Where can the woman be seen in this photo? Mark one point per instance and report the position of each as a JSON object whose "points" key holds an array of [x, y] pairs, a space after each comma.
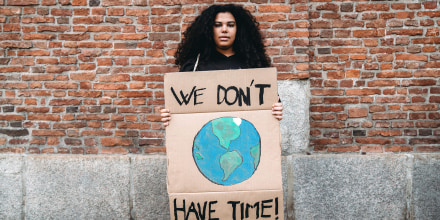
{"points": [[222, 37]]}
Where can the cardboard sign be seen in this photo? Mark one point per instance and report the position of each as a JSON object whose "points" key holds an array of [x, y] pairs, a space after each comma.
{"points": [[223, 145]]}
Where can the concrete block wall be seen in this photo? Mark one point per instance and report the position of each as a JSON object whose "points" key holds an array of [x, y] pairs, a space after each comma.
{"points": [[402, 186]]}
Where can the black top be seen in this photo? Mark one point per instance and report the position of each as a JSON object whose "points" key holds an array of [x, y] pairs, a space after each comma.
{"points": [[217, 61]]}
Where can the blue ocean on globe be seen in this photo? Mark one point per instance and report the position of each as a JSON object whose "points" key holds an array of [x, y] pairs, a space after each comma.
{"points": [[227, 150]]}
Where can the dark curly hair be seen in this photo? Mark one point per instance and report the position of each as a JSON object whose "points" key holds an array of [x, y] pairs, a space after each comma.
{"points": [[198, 38]]}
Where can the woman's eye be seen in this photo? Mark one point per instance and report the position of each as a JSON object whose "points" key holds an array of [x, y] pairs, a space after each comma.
{"points": [[231, 25], [217, 25]]}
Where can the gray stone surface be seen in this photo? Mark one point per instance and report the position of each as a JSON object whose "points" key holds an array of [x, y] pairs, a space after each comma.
{"points": [[77, 187], [150, 196], [11, 187], [388, 186], [295, 127], [349, 186], [426, 187]]}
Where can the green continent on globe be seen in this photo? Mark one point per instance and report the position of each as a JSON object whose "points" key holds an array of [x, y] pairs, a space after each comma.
{"points": [[255, 153], [229, 161], [226, 129]]}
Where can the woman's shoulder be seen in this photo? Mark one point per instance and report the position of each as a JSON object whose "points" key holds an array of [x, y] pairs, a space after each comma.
{"points": [[188, 66]]}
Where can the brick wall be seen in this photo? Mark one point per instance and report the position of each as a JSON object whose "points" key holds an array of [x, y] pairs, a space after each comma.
{"points": [[374, 76], [86, 76]]}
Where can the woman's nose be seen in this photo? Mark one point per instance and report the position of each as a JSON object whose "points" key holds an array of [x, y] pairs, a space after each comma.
{"points": [[224, 28]]}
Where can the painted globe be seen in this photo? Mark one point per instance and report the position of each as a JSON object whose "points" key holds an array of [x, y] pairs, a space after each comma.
{"points": [[227, 150]]}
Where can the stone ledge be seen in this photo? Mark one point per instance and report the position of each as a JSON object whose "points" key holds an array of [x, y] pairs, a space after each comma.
{"points": [[394, 186]]}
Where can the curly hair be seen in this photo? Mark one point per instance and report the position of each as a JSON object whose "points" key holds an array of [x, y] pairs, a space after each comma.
{"points": [[198, 38]]}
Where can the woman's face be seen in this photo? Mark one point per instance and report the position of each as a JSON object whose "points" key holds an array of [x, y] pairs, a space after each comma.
{"points": [[224, 30]]}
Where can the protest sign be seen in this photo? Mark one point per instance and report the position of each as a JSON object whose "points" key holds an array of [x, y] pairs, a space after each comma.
{"points": [[223, 145]]}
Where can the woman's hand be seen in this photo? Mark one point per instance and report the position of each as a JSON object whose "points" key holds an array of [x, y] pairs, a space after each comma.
{"points": [[166, 116], [277, 110]]}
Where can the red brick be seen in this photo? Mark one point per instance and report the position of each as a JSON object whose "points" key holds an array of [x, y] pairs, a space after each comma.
{"points": [[399, 149], [386, 133], [419, 82], [115, 150], [427, 124], [429, 107], [380, 141], [368, 33], [326, 108], [344, 149], [424, 141], [330, 92], [342, 100], [115, 2], [362, 92], [382, 83], [327, 124], [22, 2], [428, 149], [357, 112], [372, 149], [372, 7], [394, 74], [431, 14], [88, 20], [388, 116]]}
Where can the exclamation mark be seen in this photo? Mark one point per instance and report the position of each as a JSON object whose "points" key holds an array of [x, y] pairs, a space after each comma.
{"points": [[276, 208]]}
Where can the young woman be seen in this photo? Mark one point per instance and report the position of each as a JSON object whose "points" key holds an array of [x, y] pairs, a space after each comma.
{"points": [[223, 37]]}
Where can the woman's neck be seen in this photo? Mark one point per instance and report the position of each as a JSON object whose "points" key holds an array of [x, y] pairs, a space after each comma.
{"points": [[228, 52]]}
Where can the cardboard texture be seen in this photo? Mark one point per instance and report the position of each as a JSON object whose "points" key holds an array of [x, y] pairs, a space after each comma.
{"points": [[192, 92], [224, 159]]}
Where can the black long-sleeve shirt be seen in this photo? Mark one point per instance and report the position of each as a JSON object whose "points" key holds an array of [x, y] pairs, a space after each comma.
{"points": [[217, 61]]}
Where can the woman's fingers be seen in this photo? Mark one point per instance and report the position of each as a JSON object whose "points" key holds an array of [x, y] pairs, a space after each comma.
{"points": [[165, 116], [277, 110]]}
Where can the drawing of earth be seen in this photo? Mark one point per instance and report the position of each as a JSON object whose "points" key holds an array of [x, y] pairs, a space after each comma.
{"points": [[227, 150]]}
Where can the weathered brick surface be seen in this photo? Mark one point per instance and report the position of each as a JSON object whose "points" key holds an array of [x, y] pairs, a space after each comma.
{"points": [[383, 65], [86, 77]]}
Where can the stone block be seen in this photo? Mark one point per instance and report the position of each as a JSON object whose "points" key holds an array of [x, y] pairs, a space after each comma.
{"points": [[295, 127], [11, 187], [426, 187], [150, 196], [77, 187], [349, 186]]}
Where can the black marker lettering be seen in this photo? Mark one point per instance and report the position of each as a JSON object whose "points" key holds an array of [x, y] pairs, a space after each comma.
{"points": [[245, 98], [202, 212], [242, 210], [261, 87], [257, 211], [263, 206], [187, 97], [211, 203], [191, 209], [225, 97], [197, 94], [233, 203], [184, 97], [179, 209]]}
